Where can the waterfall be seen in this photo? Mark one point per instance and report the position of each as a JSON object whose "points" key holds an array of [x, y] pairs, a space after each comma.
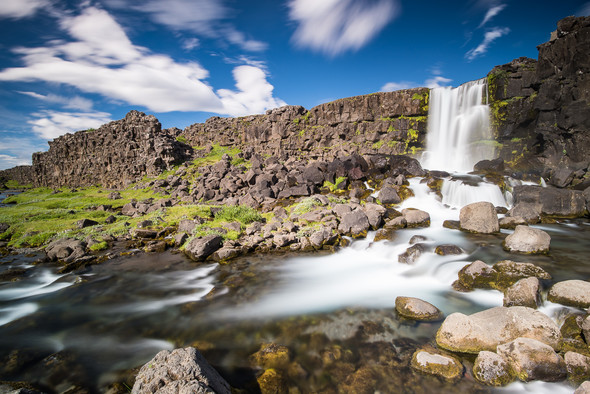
{"points": [[458, 128]]}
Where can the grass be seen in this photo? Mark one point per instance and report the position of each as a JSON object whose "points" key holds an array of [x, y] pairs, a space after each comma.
{"points": [[12, 184], [238, 213], [305, 205], [334, 186], [217, 152]]}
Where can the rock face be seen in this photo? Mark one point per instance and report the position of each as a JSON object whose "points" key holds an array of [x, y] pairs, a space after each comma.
{"points": [[574, 293], [180, 371], [487, 329], [479, 217], [533, 360], [538, 107], [115, 155], [526, 239], [548, 202], [417, 309]]}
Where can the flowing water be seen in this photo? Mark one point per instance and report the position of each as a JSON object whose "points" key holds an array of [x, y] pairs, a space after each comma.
{"points": [[334, 311]]}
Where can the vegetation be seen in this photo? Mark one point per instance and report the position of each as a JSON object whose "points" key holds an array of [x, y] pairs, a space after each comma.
{"points": [[334, 186], [182, 138], [12, 184]]}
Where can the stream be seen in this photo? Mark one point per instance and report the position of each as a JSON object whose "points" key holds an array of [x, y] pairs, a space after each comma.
{"points": [[334, 311]]}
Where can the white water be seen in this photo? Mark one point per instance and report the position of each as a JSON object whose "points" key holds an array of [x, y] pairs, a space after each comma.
{"points": [[458, 119]]}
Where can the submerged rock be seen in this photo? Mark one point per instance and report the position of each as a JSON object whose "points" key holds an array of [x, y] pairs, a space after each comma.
{"points": [[533, 360], [492, 369], [526, 239], [412, 254], [479, 217], [434, 363], [448, 249], [487, 329], [271, 355], [180, 371], [417, 309], [574, 293]]}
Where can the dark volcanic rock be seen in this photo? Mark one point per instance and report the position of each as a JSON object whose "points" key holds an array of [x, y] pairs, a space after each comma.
{"points": [[201, 248]]}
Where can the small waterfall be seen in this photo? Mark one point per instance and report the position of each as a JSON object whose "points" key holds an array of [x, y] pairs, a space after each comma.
{"points": [[458, 128]]}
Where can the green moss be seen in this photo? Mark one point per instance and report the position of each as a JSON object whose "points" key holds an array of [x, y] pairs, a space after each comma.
{"points": [[12, 184], [305, 205], [182, 138], [217, 152], [378, 144], [334, 186], [238, 213], [99, 246]]}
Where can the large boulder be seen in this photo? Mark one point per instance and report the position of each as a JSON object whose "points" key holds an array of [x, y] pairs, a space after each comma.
{"points": [[578, 366], [479, 217], [202, 247], [526, 239], [417, 309], [180, 371], [533, 360], [549, 201], [525, 292], [574, 293], [388, 195], [477, 275], [416, 217], [492, 369], [66, 249], [487, 329], [355, 223]]}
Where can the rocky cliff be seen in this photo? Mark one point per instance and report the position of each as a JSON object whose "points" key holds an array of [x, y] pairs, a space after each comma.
{"points": [[390, 123], [541, 109], [115, 155]]}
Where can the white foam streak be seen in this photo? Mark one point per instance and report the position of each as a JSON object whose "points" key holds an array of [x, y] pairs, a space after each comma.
{"points": [[45, 282], [13, 313], [457, 194]]}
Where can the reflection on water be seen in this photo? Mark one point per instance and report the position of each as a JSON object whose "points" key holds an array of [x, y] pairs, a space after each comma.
{"points": [[117, 315]]}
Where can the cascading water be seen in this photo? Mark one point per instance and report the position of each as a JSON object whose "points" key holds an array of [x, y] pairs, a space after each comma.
{"points": [[458, 128]]}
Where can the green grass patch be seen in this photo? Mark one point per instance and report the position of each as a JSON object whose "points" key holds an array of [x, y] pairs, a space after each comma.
{"points": [[305, 205], [98, 246], [182, 138], [237, 213], [12, 184], [334, 186]]}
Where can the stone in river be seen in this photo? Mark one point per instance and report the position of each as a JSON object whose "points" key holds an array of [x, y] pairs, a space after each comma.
{"points": [[417, 309], [479, 217], [526, 239], [533, 360], [435, 363], [574, 293], [492, 369]]}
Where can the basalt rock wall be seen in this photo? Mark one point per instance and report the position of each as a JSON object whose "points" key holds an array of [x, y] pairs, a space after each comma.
{"points": [[386, 122], [115, 155], [541, 108]]}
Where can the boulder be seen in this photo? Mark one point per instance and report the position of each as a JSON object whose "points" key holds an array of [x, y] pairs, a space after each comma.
{"points": [[417, 309], [526, 239], [509, 222], [578, 366], [388, 195], [435, 363], [416, 218], [492, 369], [83, 223], [477, 275], [487, 329], [495, 166], [479, 217], [375, 213], [533, 360], [586, 329], [412, 254], [180, 371], [525, 292], [584, 388], [65, 249], [448, 249], [355, 223], [202, 247], [549, 201], [509, 272], [574, 293]]}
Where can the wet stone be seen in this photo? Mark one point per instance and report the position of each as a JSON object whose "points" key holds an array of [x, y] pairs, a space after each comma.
{"points": [[417, 309], [492, 369], [447, 249], [533, 360], [529, 240], [412, 254], [574, 293], [431, 362]]}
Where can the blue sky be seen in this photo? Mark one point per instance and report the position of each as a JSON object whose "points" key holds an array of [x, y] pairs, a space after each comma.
{"points": [[72, 65]]}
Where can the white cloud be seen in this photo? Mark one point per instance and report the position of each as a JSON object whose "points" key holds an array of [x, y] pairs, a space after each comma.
{"points": [[52, 124], [584, 10], [17, 151], [20, 8], [254, 93], [489, 37], [190, 44], [205, 17], [393, 86], [336, 26], [493, 11], [76, 102], [437, 82], [102, 60]]}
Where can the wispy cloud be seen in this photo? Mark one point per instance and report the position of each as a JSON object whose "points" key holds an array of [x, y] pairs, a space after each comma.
{"points": [[17, 151], [101, 59], [209, 18], [76, 102], [337, 26], [17, 9], [489, 37], [493, 11], [51, 124], [437, 82], [393, 86]]}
